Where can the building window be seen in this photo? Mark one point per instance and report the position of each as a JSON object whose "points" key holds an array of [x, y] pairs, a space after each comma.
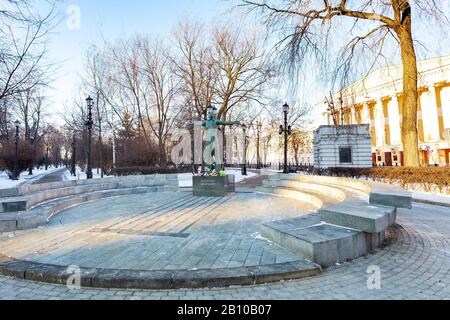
{"points": [[345, 155]]}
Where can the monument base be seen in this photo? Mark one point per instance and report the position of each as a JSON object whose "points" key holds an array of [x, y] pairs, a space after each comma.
{"points": [[213, 186]]}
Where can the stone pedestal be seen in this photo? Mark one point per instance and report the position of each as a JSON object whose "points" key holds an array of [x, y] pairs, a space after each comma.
{"points": [[213, 186]]}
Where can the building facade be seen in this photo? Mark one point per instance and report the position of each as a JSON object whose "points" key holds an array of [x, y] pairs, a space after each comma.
{"points": [[377, 100]]}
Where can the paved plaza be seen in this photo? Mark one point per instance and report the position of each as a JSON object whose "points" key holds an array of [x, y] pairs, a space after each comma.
{"points": [[415, 264], [161, 231]]}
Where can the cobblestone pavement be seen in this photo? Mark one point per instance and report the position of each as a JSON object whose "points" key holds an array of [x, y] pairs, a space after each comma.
{"points": [[415, 266]]}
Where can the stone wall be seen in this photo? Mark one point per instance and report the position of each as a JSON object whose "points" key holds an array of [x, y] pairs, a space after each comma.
{"points": [[330, 141], [129, 181]]}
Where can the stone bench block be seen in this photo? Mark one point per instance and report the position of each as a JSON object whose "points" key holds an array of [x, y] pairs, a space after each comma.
{"points": [[393, 199], [361, 217], [321, 243], [14, 204]]}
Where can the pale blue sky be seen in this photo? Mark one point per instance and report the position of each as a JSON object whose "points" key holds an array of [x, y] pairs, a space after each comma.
{"points": [[114, 19]]}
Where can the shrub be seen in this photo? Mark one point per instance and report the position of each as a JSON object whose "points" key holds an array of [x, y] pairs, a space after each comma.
{"points": [[428, 178], [130, 171], [7, 156]]}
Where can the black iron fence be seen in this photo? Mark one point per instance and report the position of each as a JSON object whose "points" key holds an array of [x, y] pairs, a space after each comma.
{"points": [[303, 167]]}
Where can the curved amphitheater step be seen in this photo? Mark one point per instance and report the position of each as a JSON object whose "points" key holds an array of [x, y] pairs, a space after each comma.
{"points": [[327, 194], [30, 206], [307, 197], [338, 232], [343, 184]]}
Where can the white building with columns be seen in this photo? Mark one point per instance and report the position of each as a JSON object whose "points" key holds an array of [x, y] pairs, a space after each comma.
{"points": [[377, 100]]}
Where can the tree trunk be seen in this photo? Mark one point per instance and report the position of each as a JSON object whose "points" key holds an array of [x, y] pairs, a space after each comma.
{"points": [[100, 142], [162, 154], [410, 95]]}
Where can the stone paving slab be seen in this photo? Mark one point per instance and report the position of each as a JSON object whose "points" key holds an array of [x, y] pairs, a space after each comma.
{"points": [[415, 265], [163, 232]]}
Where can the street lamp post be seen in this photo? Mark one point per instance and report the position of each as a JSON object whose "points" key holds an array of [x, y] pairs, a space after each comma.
{"points": [[244, 167], [16, 153], [46, 156], [30, 169], [287, 131], [258, 145], [73, 170], [89, 124]]}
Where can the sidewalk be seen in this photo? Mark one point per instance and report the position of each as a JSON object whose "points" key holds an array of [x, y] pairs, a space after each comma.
{"points": [[437, 200]]}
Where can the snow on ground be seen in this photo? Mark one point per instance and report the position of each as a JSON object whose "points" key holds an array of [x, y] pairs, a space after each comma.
{"points": [[431, 197], [81, 175], [6, 183], [185, 179]]}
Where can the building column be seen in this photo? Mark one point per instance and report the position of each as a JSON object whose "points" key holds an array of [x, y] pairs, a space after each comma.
{"points": [[387, 124], [440, 110], [372, 112], [420, 126], [379, 123], [365, 116], [430, 115], [326, 119], [354, 116], [395, 121]]}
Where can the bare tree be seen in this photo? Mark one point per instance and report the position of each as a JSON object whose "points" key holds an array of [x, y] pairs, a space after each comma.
{"points": [[160, 107], [310, 26], [30, 108], [23, 38], [97, 82], [242, 69], [195, 66], [301, 142]]}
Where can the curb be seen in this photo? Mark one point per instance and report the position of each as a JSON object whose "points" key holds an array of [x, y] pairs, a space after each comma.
{"points": [[433, 203], [159, 279]]}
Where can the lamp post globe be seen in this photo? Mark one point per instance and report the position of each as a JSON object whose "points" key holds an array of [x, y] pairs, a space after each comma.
{"points": [[286, 108]]}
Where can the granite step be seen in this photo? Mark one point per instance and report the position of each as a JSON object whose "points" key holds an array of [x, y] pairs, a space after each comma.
{"points": [[292, 194], [314, 188], [14, 204], [39, 216], [397, 199], [360, 216], [319, 242]]}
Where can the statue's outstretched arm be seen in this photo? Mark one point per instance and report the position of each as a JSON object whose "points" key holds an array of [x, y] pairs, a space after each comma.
{"points": [[197, 124], [228, 123]]}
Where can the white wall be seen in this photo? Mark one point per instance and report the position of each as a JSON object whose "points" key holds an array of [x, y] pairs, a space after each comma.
{"points": [[328, 140]]}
